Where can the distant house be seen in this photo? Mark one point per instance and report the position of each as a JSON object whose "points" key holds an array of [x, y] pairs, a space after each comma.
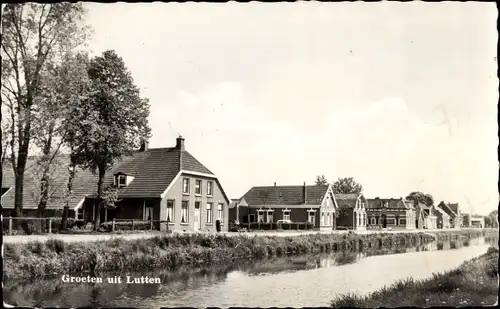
{"points": [[477, 221], [453, 212], [163, 184], [352, 211], [314, 204], [425, 217], [392, 212], [443, 219]]}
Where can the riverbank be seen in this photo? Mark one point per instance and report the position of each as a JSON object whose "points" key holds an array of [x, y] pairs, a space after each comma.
{"points": [[474, 283], [54, 257]]}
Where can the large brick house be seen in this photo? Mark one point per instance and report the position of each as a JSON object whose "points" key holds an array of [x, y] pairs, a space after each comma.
{"points": [[314, 204], [352, 211], [391, 213], [453, 212], [161, 184]]}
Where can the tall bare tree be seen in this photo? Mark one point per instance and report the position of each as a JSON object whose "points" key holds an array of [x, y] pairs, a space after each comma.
{"points": [[34, 35]]}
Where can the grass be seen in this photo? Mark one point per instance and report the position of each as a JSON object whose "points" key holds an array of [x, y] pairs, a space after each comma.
{"points": [[55, 257], [474, 283]]}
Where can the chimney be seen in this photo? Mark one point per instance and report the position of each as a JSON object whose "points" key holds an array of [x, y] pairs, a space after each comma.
{"points": [[304, 193], [180, 143], [275, 183], [144, 146]]}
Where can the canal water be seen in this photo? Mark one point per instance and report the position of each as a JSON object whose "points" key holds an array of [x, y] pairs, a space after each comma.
{"points": [[306, 281]]}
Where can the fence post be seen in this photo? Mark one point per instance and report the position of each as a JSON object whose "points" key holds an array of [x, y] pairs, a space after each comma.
{"points": [[133, 223], [151, 224], [50, 225], [113, 225], [10, 225]]}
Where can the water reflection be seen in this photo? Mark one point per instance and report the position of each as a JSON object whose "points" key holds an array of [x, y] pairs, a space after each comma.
{"points": [[231, 283]]}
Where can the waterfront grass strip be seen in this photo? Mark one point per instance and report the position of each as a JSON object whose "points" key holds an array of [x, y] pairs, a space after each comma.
{"points": [[55, 257], [474, 283]]}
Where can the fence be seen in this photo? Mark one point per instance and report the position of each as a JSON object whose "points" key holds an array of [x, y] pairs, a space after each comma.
{"points": [[277, 226], [132, 225], [36, 225]]}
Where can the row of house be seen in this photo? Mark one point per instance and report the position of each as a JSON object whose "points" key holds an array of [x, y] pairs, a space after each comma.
{"points": [[170, 186]]}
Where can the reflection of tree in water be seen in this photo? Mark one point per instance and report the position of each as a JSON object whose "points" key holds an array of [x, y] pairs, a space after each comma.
{"points": [[346, 258]]}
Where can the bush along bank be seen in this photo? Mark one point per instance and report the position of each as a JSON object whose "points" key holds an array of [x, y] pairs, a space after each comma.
{"points": [[474, 283], [55, 257], [465, 234]]}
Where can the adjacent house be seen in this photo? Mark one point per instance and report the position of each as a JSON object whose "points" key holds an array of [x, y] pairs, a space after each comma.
{"points": [[453, 212], [352, 211], [443, 219], [390, 213], [161, 184], [425, 217], [314, 204], [477, 221]]}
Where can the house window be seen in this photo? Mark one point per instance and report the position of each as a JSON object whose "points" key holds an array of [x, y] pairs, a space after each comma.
{"points": [[170, 210], [121, 180], [185, 185], [373, 221], [79, 214], [323, 218], [197, 187], [148, 211], [402, 221], [269, 216], [286, 214], [210, 188], [311, 217], [327, 219], [184, 212], [197, 205], [209, 213], [260, 216], [220, 213]]}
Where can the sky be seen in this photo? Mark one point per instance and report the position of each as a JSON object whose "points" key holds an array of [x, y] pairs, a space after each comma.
{"points": [[401, 96]]}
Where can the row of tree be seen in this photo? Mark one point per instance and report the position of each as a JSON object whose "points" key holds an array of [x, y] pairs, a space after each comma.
{"points": [[57, 99]]}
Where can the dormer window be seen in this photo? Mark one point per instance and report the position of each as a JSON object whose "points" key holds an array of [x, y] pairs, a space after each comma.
{"points": [[122, 180]]}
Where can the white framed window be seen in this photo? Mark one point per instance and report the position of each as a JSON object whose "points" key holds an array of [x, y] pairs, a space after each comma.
{"points": [[402, 221], [209, 213], [311, 215], [170, 210], [210, 188], [185, 185], [220, 212], [270, 216], [185, 212], [260, 216], [286, 214], [197, 187], [121, 180]]}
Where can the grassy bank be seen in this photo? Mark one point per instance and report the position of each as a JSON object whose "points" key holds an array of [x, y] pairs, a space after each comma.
{"points": [[467, 234], [474, 283], [55, 257]]}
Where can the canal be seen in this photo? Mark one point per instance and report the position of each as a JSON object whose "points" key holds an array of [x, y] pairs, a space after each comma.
{"points": [[306, 281]]}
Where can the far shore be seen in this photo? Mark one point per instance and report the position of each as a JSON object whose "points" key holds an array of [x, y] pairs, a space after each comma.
{"points": [[473, 284]]}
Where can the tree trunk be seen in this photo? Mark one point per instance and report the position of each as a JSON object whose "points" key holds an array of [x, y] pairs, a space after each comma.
{"points": [[44, 183], [102, 173], [71, 177]]}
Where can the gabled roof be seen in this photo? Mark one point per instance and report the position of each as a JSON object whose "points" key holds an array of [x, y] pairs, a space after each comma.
{"points": [[83, 183], [441, 211], [392, 203], [450, 209], [153, 171], [285, 195], [347, 200]]}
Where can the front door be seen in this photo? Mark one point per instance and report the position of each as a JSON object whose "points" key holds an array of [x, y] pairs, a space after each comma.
{"points": [[197, 221]]}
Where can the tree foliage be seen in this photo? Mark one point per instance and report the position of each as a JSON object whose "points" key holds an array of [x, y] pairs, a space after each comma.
{"points": [[321, 180], [346, 185], [420, 197], [34, 37], [112, 120]]}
